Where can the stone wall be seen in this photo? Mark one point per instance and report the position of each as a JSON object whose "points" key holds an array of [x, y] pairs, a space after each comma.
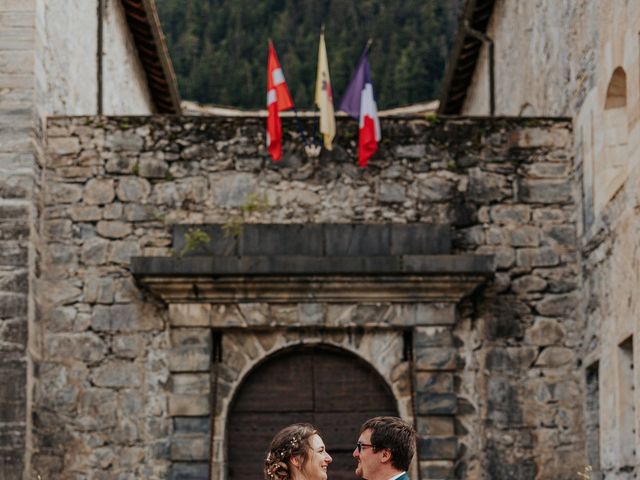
{"points": [[114, 187], [18, 173], [595, 81]]}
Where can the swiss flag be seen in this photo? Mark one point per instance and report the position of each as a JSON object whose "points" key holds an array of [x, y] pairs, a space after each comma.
{"points": [[278, 99]]}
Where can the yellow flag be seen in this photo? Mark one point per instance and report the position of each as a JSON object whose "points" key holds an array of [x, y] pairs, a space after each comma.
{"points": [[324, 97]]}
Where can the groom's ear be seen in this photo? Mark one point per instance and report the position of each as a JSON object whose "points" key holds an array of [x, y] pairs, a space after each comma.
{"points": [[386, 455]]}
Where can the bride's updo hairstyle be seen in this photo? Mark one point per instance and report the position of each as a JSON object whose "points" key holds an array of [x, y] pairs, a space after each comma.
{"points": [[289, 442]]}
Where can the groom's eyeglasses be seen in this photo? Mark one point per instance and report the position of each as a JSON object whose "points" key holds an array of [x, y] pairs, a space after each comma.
{"points": [[360, 446]]}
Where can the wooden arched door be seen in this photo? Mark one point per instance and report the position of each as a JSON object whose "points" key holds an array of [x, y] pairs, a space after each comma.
{"points": [[330, 388]]}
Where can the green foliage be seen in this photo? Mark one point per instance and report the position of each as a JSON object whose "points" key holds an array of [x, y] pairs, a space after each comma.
{"points": [[253, 203], [219, 47], [194, 239]]}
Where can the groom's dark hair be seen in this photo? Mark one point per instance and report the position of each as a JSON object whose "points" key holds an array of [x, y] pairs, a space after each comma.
{"points": [[396, 435]]}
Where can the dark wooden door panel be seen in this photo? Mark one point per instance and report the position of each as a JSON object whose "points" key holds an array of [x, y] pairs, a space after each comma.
{"points": [[332, 389], [342, 384], [278, 385]]}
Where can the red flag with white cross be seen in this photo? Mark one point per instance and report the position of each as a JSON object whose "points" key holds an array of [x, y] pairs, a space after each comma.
{"points": [[278, 100]]}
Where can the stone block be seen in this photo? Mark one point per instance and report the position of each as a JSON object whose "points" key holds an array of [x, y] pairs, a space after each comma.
{"points": [[437, 448], [189, 425], [123, 141], [13, 333], [113, 211], [555, 357], [133, 189], [191, 383], [190, 314], [128, 346], [311, 313], [504, 257], [13, 305], [63, 145], [436, 403], [98, 289], [125, 318], [153, 168], [511, 359], [435, 358], [410, 151], [436, 314], [95, 251], [511, 214], [87, 347], [191, 448], [420, 239], [58, 193], [544, 191], [231, 189], [190, 350], [434, 382], [426, 337], [436, 189], [435, 426], [14, 280], [117, 373], [363, 239], [528, 284], [537, 257], [391, 192], [226, 316], [544, 332], [532, 137], [99, 191], [189, 405], [113, 229], [563, 305], [564, 235], [122, 251], [189, 471], [302, 239], [487, 187], [13, 391], [525, 236], [85, 213], [436, 469]]}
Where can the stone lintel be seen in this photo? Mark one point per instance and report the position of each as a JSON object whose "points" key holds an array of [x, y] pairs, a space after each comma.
{"points": [[342, 239], [417, 278]]}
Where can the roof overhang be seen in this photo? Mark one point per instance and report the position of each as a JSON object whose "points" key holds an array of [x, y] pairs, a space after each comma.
{"points": [[464, 56], [144, 24]]}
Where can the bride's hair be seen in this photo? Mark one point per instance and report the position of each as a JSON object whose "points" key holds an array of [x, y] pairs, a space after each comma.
{"points": [[289, 442]]}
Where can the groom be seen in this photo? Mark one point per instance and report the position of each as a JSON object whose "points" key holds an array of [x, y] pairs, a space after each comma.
{"points": [[384, 449]]}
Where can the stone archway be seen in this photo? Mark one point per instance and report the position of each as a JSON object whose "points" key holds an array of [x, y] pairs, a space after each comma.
{"points": [[331, 388]]}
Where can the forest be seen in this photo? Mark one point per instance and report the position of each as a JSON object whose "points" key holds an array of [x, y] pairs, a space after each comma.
{"points": [[219, 47]]}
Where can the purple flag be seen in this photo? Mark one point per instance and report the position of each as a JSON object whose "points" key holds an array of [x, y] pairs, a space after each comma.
{"points": [[350, 102]]}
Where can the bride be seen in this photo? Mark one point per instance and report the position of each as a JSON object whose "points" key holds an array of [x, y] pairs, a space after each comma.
{"points": [[297, 453]]}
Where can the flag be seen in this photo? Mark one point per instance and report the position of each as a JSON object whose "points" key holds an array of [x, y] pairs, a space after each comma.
{"points": [[278, 99], [358, 102], [324, 97]]}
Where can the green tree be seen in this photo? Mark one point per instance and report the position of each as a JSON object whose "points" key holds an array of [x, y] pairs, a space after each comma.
{"points": [[219, 47]]}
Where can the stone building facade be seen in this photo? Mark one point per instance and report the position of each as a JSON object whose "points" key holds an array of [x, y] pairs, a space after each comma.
{"points": [[138, 354], [581, 60], [57, 57]]}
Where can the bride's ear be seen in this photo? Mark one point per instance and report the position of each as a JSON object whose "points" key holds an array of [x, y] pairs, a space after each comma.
{"points": [[296, 461]]}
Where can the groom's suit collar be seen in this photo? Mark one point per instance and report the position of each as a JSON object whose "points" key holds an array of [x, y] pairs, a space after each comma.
{"points": [[400, 476]]}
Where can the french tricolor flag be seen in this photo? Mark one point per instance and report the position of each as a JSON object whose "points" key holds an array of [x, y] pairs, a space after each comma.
{"points": [[359, 102]]}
